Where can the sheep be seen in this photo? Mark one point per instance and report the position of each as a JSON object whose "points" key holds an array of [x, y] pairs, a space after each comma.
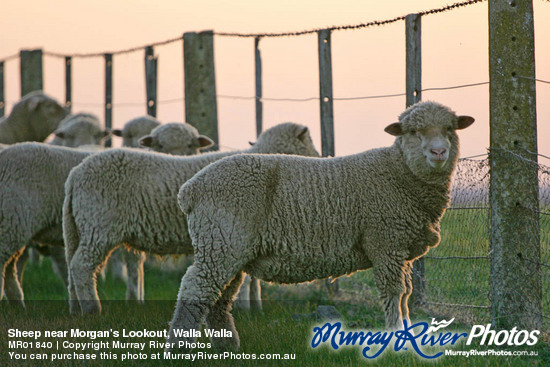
{"points": [[33, 118], [30, 204], [128, 197], [79, 129], [76, 130], [32, 177], [168, 137], [295, 219], [172, 138], [135, 129]]}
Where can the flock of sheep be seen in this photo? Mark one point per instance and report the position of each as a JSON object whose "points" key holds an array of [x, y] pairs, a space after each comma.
{"points": [[275, 211]]}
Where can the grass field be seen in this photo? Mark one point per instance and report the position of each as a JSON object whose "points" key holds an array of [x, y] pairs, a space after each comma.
{"points": [[273, 331]]}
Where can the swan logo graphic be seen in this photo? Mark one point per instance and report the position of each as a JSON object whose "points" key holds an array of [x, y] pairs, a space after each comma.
{"points": [[439, 325]]}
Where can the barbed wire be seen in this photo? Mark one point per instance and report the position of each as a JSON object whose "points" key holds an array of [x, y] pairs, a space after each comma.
{"points": [[119, 52], [263, 35], [374, 23]]}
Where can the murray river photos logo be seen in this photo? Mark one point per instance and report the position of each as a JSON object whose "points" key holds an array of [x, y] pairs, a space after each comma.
{"points": [[417, 337]]}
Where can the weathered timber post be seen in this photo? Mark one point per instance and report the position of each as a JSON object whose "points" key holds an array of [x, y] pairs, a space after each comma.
{"points": [[201, 109], [2, 97], [327, 114], [516, 285], [151, 80], [258, 75], [68, 83], [325, 93], [31, 71], [413, 38], [108, 94]]}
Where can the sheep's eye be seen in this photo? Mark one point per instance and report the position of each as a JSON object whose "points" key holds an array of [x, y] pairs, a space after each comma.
{"points": [[413, 132]]}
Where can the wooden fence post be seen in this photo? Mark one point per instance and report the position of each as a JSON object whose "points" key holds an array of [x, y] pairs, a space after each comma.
{"points": [[414, 94], [31, 71], [516, 284], [327, 114], [108, 94], [325, 93], [2, 97], [151, 80], [258, 74], [201, 109], [68, 84]]}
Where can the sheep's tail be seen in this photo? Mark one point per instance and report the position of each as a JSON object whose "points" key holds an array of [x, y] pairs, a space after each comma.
{"points": [[186, 197]]}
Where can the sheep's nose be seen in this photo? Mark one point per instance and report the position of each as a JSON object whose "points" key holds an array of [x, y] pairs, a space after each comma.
{"points": [[438, 152]]}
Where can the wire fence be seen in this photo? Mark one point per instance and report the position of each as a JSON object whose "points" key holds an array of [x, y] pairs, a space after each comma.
{"points": [[374, 23], [458, 271]]}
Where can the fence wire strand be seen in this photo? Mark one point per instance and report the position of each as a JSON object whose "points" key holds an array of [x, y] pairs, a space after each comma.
{"points": [[263, 35]]}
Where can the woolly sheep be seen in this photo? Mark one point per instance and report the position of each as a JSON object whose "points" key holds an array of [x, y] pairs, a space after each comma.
{"points": [[76, 130], [135, 129], [168, 137], [172, 138], [32, 177], [79, 129], [137, 205], [33, 118], [294, 219]]}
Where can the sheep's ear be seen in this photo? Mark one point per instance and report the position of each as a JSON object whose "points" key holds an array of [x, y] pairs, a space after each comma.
{"points": [[116, 132], [302, 133], [464, 121], [34, 102], [394, 129], [205, 142], [251, 143], [106, 133], [146, 141], [60, 134]]}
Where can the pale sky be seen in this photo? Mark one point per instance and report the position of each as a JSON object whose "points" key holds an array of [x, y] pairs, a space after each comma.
{"points": [[366, 62]]}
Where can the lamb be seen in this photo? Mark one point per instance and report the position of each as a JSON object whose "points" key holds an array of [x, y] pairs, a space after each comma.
{"points": [[167, 138], [172, 138], [79, 129], [128, 197], [33, 118], [294, 219], [30, 205], [135, 129]]}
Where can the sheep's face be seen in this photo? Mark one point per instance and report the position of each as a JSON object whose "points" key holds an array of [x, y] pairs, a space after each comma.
{"points": [[435, 143], [80, 133], [427, 136], [286, 138], [45, 108], [176, 139], [134, 130]]}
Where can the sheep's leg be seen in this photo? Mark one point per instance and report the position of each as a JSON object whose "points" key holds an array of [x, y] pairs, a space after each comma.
{"points": [[220, 318], [59, 263], [200, 289], [21, 264], [389, 277], [83, 269], [135, 282], [13, 290], [255, 294], [243, 297], [118, 265], [408, 292]]}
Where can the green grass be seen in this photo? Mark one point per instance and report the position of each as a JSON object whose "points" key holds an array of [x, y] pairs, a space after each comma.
{"points": [[456, 281], [273, 331]]}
